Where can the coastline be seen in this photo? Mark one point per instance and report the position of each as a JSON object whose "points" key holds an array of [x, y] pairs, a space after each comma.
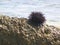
{"points": [[55, 24]]}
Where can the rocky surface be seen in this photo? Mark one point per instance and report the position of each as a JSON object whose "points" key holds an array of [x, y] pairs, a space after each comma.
{"points": [[16, 31]]}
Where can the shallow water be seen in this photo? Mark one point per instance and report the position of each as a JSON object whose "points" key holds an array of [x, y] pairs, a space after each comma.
{"points": [[22, 8]]}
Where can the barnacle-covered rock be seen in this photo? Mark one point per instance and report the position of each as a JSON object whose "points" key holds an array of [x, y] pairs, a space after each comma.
{"points": [[17, 31]]}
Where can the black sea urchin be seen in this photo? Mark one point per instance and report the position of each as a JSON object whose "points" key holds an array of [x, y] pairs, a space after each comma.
{"points": [[36, 18]]}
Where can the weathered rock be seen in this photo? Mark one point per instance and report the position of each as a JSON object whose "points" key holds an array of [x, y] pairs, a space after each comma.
{"points": [[17, 31]]}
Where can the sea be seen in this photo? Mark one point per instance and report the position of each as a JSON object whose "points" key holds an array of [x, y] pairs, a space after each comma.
{"points": [[23, 8]]}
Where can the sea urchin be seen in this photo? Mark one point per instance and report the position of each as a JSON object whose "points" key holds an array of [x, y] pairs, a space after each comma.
{"points": [[36, 18]]}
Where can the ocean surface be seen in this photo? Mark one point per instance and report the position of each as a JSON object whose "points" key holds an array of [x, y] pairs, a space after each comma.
{"points": [[22, 8]]}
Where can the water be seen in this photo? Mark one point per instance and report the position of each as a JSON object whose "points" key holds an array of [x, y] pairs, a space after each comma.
{"points": [[22, 8]]}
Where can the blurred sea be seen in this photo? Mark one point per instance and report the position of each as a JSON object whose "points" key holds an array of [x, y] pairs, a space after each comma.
{"points": [[22, 8]]}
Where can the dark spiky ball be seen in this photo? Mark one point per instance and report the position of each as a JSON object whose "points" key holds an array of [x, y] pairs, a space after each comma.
{"points": [[36, 18]]}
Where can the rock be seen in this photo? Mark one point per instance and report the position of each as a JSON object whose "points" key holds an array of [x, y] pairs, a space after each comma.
{"points": [[17, 31]]}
